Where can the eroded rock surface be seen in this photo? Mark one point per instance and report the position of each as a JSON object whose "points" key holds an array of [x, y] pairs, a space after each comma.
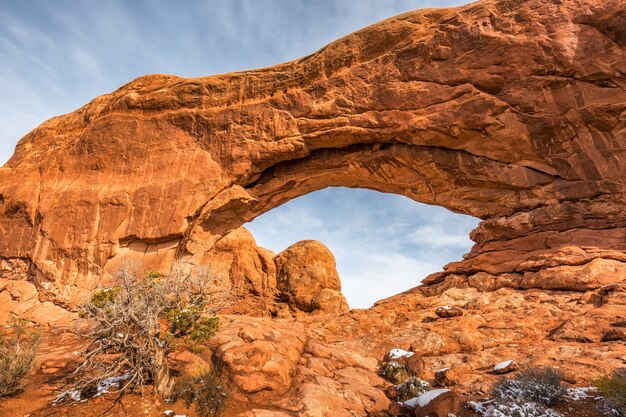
{"points": [[306, 274], [511, 111], [301, 279], [328, 365], [337, 373]]}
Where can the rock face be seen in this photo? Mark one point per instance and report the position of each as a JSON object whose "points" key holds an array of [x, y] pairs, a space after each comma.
{"points": [[331, 364], [508, 110], [261, 355], [302, 278], [307, 275], [328, 365]]}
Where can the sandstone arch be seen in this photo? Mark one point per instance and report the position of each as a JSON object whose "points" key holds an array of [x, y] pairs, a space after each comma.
{"points": [[511, 111]]}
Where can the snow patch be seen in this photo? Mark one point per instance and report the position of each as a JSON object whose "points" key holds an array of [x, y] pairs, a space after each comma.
{"points": [[399, 353], [492, 408], [425, 398], [102, 388], [580, 393], [502, 365]]}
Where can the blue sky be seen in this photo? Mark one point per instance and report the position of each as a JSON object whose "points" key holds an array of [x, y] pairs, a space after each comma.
{"points": [[57, 55]]}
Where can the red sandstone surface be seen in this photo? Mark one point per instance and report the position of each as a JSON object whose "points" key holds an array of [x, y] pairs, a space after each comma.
{"points": [[511, 111]]}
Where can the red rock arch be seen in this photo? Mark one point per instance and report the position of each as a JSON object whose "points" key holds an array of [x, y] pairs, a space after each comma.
{"points": [[509, 111]]}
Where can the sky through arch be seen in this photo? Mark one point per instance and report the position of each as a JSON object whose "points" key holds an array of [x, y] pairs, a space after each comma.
{"points": [[383, 243]]}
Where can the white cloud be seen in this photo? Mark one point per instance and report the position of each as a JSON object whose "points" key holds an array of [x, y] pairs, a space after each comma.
{"points": [[436, 235]]}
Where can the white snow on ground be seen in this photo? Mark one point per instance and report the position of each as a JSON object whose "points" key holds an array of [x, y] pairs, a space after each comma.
{"points": [[491, 408], [480, 406], [425, 398], [502, 365], [103, 388], [411, 403], [399, 353], [428, 396], [506, 408], [580, 393], [170, 413]]}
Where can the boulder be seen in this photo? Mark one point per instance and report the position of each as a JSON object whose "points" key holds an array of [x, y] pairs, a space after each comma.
{"points": [[413, 363], [251, 268], [306, 273], [448, 311], [259, 354], [505, 367], [436, 403], [329, 301], [445, 377]]}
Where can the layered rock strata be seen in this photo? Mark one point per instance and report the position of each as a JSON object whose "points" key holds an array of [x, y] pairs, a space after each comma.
{"points": [[508, 110]]}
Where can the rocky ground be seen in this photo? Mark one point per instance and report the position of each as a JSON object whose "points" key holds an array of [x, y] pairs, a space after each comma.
{"points": [[328, 364]]}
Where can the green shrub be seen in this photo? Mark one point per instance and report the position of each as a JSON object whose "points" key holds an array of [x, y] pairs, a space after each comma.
{"points": [[411, 388], [17, 357], [183, 319], [613, 388], [190, 322], [167, 339], [126, 325], [204, 328], [104, 297], [394, 372]]}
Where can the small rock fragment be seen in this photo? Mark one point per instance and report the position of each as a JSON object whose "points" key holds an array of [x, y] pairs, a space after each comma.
{"points": [[614, 335], [445, 377], [448, 311], [505, 367]]}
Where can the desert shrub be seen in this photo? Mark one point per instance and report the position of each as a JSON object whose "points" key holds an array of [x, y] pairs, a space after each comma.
{"points": [[137, 322], [509, 408], [204, 328], [206, 390], [17, 356], [613, 389], [394, 372], [540, 385], [152, 275], [190, 322], [104, 297], [411, 388]]}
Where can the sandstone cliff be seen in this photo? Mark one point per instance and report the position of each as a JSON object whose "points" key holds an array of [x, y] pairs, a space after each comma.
{"points": [[511, 111], [508, 110]]}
